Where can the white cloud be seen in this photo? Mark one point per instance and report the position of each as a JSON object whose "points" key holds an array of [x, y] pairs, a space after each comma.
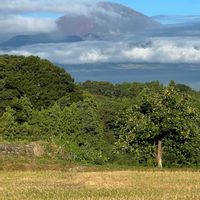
{"points": [[15, 24], [12, 6], [93, 56], [166, 50], [160, 50]]}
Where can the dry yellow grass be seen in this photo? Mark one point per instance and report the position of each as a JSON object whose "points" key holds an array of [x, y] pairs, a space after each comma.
{"points": [[119, 185]]}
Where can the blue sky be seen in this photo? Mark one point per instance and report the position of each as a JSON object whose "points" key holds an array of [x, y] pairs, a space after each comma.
{"points": [[164, 7]]}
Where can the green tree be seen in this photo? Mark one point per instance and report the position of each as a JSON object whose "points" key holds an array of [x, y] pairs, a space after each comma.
{"points": [[167, 114], [22, 108], [8, 124], [39, 80], [135, 133]]}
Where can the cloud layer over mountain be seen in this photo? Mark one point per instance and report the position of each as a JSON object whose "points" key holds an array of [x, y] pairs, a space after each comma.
{"points": [[14, 19], [107, 19], [80, 17]]}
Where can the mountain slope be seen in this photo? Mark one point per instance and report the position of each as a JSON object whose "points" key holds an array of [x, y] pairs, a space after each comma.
{"points": [[106, 18]]}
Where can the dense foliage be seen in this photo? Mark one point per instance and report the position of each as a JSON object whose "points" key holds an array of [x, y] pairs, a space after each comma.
{"points": [[159, 116], [39, 80], [98, 122]]}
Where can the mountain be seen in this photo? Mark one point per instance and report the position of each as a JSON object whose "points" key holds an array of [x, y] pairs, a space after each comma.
{"points": [[22, 40], [103, 21], [177, 26], [191, 29], [176, 19], [106, 19]]}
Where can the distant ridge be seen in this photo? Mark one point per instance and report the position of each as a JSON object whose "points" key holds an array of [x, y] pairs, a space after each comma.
{"points": [[21, 40]]}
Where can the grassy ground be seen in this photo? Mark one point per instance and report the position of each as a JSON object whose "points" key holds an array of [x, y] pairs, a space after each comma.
{"points": [[107, 185]]}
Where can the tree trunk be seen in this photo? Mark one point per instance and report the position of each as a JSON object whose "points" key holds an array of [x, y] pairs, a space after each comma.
{"points": [[159, 154]]}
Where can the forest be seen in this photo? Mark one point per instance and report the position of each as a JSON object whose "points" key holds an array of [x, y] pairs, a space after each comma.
{"points": [[137, 124]]}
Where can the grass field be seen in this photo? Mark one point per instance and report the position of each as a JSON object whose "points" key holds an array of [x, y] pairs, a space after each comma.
{"points": [[123, 185]]}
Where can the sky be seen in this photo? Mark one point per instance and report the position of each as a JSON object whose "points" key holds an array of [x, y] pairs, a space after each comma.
{"points": [[164, 7]]}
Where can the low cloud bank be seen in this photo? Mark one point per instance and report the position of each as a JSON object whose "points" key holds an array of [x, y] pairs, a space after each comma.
{"points": [[152, 50]]}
